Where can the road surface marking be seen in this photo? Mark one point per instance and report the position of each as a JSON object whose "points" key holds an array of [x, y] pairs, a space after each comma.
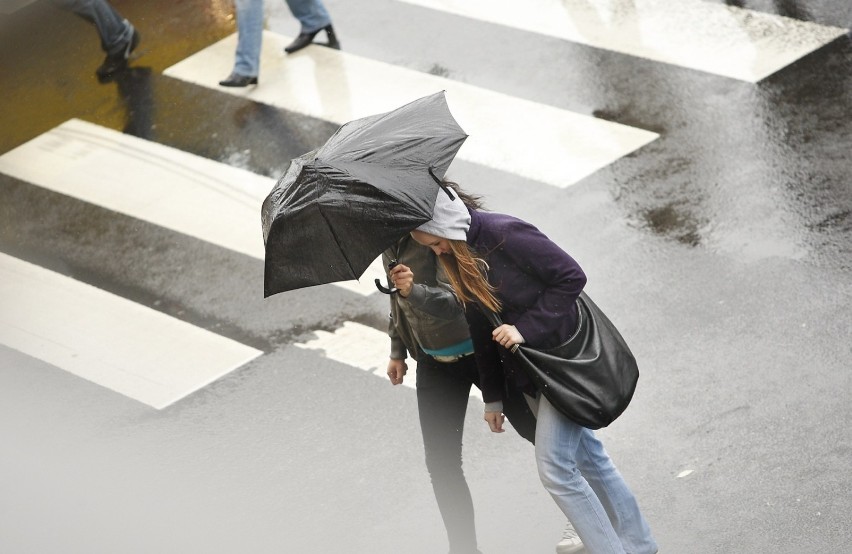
{"points": [[723, 40], [109, 340], [183, 192], [363, 347], [525, 138]]}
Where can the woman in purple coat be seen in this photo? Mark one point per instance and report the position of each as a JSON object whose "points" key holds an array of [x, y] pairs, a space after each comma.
{"points": [[500, 263]]}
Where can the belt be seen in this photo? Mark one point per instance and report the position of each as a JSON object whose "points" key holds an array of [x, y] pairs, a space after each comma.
{"points": [[451, 359]]}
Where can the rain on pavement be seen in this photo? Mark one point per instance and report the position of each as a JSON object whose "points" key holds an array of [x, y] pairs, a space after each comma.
{"points": [[717, 233]]}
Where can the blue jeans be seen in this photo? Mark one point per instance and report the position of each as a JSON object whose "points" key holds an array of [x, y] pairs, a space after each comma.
{"points": [[311, 14], [579, 475], [115, 31]]}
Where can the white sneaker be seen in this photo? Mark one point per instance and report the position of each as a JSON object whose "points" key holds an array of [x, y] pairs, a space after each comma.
{"points": [[570, 543]]}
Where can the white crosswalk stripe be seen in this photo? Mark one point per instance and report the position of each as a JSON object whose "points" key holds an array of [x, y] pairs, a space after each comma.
{"points": [[101, 337], [723, 40], [363, 347], [533, 140], [189, 194]]}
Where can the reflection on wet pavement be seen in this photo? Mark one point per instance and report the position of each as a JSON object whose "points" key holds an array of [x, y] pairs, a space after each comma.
{"points": [[751, 170]]}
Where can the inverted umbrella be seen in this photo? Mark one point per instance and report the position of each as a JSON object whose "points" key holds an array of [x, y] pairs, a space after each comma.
{"points": [[336, 209]]}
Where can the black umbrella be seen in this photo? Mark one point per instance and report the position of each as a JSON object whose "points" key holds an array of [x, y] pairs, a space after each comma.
{"points": [[336, 209]]}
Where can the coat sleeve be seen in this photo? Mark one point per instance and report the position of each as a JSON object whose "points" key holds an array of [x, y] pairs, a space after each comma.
{"points": [[398, 350], [560, 277], [491, 376], [439, 300]]}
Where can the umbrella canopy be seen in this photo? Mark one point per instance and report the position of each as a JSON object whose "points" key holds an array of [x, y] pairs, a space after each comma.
{"points": [[336, 209]]}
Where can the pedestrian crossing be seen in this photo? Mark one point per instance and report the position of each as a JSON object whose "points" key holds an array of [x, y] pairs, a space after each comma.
{"points": [[157, 359], [115, 343], [554, 146], [714, 38], [106, 339], [188, 194], [362, 347]]}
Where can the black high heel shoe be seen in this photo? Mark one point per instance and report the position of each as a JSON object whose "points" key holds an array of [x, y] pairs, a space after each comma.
{"points": [[235, 80], [305, 39]]}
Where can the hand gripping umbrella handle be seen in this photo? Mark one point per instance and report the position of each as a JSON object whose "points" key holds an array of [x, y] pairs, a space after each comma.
{"points": [[393, 263]]}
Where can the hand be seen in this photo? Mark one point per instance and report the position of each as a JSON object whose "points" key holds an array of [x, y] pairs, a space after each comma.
{"points": [[495, 421], [507, 336], [402, 278], [396, 371]]}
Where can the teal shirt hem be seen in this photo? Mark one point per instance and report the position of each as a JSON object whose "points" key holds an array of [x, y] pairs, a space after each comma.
{"points": [[464, 347]]}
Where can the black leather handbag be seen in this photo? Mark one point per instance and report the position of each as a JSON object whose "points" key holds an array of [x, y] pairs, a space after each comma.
{"points": [[591, 377]]}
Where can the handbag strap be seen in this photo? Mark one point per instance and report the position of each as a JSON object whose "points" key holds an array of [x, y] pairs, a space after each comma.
{"points": [[492, 316], [495, 320]]}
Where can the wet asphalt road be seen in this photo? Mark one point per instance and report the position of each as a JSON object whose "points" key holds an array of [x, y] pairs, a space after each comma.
{"points": [[723, 250]]}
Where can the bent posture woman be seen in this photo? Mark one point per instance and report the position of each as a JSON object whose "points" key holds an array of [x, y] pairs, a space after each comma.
{"points": [[500, 263], [426, 320]]}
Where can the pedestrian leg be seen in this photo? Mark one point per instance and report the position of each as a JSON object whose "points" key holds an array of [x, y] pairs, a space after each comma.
{"points": [[442, 397], [311, 14], [249, 37], [557, 442], [615, 496], [114, 31]]}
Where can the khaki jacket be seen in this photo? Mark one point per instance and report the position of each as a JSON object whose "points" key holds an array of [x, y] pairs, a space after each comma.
{"points": [[431, 317]]}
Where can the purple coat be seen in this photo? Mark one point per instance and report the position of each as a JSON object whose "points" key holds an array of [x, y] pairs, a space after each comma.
{"points": [[537, 283]]}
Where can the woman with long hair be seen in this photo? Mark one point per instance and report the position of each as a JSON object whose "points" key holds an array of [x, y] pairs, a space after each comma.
{"points": [[427, 322], [500, 263]]}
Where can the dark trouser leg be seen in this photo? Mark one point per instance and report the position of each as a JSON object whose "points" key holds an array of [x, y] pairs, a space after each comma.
{"points": [[114, 30], [311, 14], [442, 396]]}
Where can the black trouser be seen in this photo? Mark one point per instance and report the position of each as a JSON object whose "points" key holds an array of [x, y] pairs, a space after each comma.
{"points": [[112, 27], [442, 395]]}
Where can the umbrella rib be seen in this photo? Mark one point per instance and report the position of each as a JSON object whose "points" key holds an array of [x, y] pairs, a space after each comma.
{"points": [[337, 240]]}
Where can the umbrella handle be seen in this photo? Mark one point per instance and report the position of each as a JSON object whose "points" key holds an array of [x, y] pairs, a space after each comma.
{"points": [[441, 184], [384, 289]]}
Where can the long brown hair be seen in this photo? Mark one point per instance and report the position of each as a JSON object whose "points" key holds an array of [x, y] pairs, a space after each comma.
{"points": [[472, 201], [465, 269], [466, 272]]}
